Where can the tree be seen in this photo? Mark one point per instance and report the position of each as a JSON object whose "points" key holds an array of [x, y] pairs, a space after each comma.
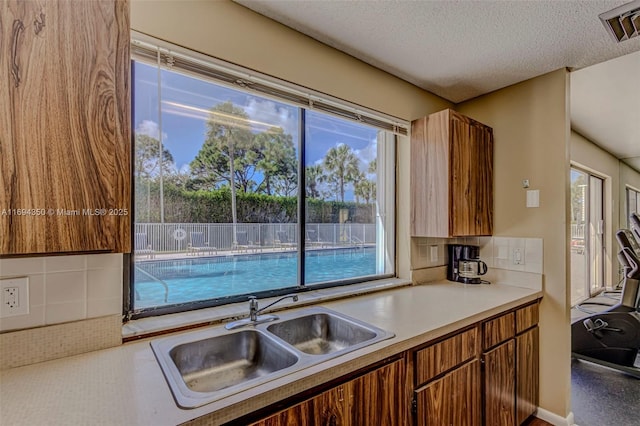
{"points": [[365, 189], [373, 166], [278, 163], [315, 177], [147, 157], [228, 153], [148, 166], [342, 166]]}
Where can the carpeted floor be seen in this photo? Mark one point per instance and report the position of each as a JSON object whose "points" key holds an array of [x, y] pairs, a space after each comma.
{"points": [[601, 396]]}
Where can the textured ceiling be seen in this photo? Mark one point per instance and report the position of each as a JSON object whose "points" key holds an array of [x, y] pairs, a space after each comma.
{"points": [[463, 49], [458, 49]]}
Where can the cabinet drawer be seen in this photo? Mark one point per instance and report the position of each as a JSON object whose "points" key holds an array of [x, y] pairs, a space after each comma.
{"points": [[526, 317], [498, 330], [445, 355]]}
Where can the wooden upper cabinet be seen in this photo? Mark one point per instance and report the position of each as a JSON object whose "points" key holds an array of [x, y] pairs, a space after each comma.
{"points": [[451, 176], [65, 142]]}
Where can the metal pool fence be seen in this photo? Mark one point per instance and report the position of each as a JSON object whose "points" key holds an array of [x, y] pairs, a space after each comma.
{"points": [[176, 237]]}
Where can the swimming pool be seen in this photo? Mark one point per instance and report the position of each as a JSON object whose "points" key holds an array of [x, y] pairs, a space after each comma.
{"points": [[195, 279]]}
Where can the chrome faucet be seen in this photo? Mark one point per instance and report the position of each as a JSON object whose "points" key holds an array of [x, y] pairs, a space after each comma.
{"points": [[254, 313]]}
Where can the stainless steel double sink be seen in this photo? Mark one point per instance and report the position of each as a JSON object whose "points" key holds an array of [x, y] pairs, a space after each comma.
{"points": [[208, 365]]}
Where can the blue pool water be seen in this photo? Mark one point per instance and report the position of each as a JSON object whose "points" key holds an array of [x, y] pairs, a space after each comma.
{"points": [[213, 277]]}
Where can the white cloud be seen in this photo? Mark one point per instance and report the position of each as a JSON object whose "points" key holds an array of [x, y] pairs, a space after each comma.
{"points": [[367, 154], [273, 115], [151, 129]]}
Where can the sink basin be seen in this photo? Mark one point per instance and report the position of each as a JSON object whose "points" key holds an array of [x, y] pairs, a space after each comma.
{"points": [[219, 362], [207, 365], [321, 333], [202, 369]]}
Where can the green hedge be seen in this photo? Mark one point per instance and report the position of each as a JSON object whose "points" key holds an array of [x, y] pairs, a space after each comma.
{"points": [[184, 206]]}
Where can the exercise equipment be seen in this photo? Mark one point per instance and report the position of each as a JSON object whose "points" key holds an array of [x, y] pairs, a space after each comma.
{"points": [[612, 337]]}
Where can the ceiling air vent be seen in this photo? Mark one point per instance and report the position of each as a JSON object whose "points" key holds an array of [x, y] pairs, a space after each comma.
{"points": [[623, 22]]}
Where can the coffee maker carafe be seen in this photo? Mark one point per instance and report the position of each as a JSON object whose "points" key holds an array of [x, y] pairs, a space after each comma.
{"points": [[465, 265]]}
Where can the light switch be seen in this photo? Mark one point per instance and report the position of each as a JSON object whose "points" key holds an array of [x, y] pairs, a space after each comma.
{"points": [[533, 198]]}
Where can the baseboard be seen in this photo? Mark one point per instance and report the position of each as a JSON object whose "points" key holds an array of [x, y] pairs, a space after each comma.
{"points": [[553, 418]]}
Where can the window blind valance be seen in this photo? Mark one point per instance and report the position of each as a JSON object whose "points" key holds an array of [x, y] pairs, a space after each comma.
{"points": [[151, 51]]}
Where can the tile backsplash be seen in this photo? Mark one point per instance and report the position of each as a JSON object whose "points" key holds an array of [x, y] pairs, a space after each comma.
{"points": [[66, 288], [497, 252]]}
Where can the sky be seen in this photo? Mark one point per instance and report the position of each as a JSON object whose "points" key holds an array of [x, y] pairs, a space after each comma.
{"points": [[185, 102]]}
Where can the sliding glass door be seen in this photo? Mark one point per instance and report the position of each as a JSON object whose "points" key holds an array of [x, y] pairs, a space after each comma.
{"points": [[587, 235]]}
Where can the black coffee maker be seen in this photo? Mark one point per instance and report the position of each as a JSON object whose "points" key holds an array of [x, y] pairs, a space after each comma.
{"points": [[465, 265]]}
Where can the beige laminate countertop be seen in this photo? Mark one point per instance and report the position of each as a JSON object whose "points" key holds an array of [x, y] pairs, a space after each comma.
{"points": [[125, 386]]}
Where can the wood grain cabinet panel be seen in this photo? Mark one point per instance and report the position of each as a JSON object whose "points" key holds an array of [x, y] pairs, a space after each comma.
{"points": [[453, 399], [377, 395], [330, 408], [445, 355], [451, 176], [499, 385], [526, 317], [498, 330], [380, 396], [64, 126], [528, 371]]}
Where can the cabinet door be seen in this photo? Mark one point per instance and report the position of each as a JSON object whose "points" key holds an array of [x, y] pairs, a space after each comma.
{"points": [[471, 196], [378, 397], [330, 408], [527, 370], [452, 400], [499, 385], [64, 126]]}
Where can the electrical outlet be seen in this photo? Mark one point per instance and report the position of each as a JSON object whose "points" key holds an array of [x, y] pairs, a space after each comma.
{"points": [[15, 297], [518, 256], [11, 297]]}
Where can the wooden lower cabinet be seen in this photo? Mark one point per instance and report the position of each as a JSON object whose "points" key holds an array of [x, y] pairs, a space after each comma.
{"points": [[527, 368], [376, 396], [500, 385], [453, 399], [329, 408], [484, 374], [380, 397]]}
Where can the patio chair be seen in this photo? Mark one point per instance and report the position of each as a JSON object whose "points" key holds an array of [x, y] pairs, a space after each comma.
{"points": [[199, 245], [314, 240], [141, 247], [283, 240], [243, 243]]}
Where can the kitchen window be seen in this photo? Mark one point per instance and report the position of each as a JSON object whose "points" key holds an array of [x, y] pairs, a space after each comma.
{"points": [[247, 186]]}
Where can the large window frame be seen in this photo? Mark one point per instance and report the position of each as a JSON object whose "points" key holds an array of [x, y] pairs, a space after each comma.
{"points": [[167, 55]]}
